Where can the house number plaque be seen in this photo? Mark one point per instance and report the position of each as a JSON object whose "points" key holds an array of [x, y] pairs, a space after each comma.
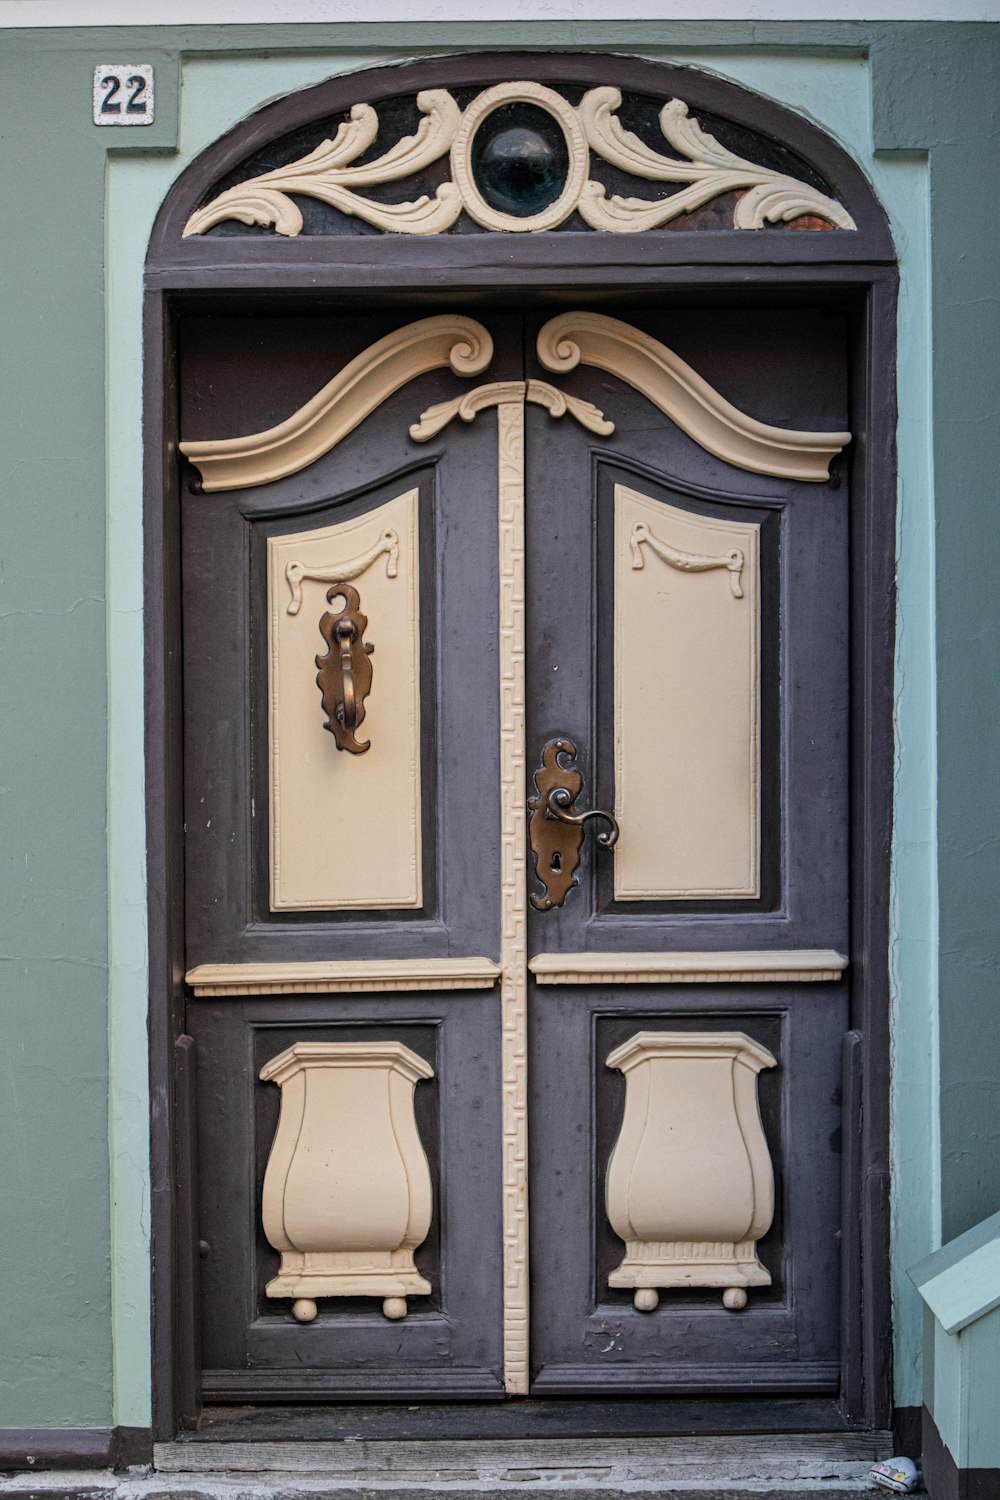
{"points": [[123, 94]]}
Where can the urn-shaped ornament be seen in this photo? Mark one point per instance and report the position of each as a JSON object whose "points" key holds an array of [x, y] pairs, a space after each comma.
{"points": [[347, 1190], [690, 1187]]}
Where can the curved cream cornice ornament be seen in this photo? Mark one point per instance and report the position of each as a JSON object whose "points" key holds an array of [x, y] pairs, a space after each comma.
{"points": [[564, 342], [361, 386], [682, 394], [703, 169]]}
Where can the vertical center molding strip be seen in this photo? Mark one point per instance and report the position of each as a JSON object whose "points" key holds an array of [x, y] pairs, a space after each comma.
{"points": [[509, 397], [513, 895]]}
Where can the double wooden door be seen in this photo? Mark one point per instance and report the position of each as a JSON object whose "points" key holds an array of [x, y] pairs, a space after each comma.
{"points": [[493, 1096]]}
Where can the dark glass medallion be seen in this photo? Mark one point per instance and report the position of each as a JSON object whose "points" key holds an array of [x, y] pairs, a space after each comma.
{"points": [[520, 159]]}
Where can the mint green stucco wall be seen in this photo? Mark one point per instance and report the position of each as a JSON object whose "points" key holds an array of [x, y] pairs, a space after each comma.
{"points": [[914, 104]]}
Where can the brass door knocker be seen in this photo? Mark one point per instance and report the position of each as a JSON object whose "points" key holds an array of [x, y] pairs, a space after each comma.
{"points": [[344, 677], [555, 830]]}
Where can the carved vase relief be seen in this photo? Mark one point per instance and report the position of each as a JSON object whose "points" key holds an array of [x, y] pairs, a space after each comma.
{"points": [[687, 737], [347, 1191], [690, 1187], [360, 861]]}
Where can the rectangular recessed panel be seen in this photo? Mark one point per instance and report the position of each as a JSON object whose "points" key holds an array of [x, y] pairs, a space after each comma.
{"points": [[345, 828], [687, 703]]}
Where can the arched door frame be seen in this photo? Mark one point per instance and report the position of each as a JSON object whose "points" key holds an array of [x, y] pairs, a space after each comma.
{"points": [[854, 271]]}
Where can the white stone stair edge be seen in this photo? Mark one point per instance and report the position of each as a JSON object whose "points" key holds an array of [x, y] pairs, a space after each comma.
{"points": [[88, 1485]]}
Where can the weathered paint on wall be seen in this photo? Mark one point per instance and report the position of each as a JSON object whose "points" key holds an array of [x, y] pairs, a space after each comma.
{"points": [[55, 1342]]}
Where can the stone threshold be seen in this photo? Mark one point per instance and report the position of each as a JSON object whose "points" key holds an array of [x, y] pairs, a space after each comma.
{"points": [[833, 1465], [90, 1486]]}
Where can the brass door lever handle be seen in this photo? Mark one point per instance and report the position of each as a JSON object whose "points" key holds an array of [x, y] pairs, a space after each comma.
{"points": [[558, 805], [555, 830]]}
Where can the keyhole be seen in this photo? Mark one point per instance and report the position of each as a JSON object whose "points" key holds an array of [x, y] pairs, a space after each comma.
{"points": [[556, 861]]}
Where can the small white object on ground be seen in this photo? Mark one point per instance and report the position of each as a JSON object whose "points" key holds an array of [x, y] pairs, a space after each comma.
{"points": [[897, 1474]]}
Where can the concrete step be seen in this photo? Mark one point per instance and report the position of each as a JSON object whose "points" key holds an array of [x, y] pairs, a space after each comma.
{"points": [[253, 1487], [832, 1465]]}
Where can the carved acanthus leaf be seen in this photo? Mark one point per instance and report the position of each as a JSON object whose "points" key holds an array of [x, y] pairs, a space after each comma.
{"points": [[326, 174], [707, 167], [558, 403], [467, 406]]}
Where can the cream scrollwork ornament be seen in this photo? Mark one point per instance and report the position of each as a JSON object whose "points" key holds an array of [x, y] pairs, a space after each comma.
{"points": [[539, 392], [295, 572], [686, 562], [327, 174], [701, 170], [705, 167]]}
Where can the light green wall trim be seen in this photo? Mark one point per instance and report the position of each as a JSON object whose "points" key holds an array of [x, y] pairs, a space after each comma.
{"points": [[948, 1398], [982, 1428], [960, 1288], [960, 1283], [127, 930], [913, 933], [961, 1393]]}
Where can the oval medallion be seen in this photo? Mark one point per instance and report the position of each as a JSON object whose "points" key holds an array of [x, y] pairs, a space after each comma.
{"points": [[520, 158]]}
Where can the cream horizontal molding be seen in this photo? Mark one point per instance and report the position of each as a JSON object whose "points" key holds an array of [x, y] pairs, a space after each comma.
{"points": [[353, 394], [365, 976], [799, 965], [656, 372]]}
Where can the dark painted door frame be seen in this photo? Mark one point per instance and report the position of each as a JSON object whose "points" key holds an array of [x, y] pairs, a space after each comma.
{"points": [[856, 274]]}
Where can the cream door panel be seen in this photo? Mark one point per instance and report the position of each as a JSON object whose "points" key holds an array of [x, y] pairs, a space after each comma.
{"points": [[345, 829], [687, 703]]}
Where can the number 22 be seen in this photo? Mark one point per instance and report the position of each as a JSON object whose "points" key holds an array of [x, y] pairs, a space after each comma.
{"points": [[111, 104]]}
